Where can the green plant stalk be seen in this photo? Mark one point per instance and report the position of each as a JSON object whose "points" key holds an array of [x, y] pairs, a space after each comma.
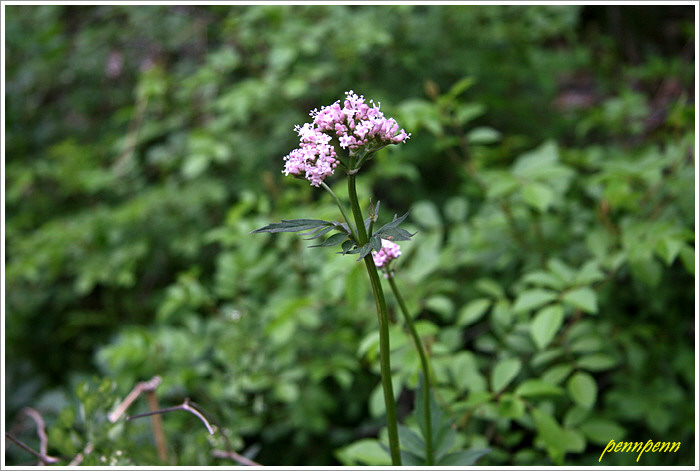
{"points": [[384, 349], [426, 371]]}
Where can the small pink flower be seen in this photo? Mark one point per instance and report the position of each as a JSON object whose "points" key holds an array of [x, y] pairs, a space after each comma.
{"points": [[387, 253]]}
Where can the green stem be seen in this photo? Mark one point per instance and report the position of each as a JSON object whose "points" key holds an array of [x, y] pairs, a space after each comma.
{"points": [[384, 348], [342, 211], [426, 371]]}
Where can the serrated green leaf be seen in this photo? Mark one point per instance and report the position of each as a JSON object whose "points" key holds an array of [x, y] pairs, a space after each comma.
{"points": [[582, 389], [444, 442], [394, 234], [546, 324], [316, 233], [583, 298], [394, 223], [473, 311], [504, 372], [410, 440], [335, 239], [462, 458], [532, 299], [347, 246], [292, 225]]}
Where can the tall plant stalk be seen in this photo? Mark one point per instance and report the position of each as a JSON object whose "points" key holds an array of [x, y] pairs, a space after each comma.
{"points": [[425, 365], [383, 317]]}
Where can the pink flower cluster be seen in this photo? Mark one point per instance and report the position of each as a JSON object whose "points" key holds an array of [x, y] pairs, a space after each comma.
{"points": [[355, 125], [388, 252], [315, 158]]}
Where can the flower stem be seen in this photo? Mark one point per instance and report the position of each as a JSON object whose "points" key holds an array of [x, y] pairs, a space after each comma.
{"points": [[384, 349], [342, 211], [426, 371]]}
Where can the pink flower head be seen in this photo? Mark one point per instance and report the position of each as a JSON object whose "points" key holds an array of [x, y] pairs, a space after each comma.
{"points": [[387, 253], [355, 124]]}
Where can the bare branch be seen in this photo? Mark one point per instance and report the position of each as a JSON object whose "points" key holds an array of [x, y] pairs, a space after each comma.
{"points": [[143, 386], [40, 429], [234, 456], [43, 458], [184, 406], [80, 456]]}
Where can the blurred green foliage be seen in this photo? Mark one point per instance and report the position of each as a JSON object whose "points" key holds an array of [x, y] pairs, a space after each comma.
{"points": [[550, 175]]}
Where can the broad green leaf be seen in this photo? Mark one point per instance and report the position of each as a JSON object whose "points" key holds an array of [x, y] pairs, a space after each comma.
{"points": [[504, 372], [668, 248], [551, 434], [546, 324], [537, 387], [538, 196], [557, 373], [544, 278], [364, 452], [462, 458], [473, 311], [483, 135], [490, 287], [456, 209], [441, 305], [426, 214], [469, 111], [687, 255], [510, 406], [582, 389], [561, 269], [596, 362], [601, 431], [589, 273], [532, 299], [583, 298], [575, 441]]}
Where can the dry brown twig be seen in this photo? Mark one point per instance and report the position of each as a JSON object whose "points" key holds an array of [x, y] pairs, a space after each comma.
{"points": [[148, 387], [43, 458], [234, 456], [143, 386], [184, 406]]}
